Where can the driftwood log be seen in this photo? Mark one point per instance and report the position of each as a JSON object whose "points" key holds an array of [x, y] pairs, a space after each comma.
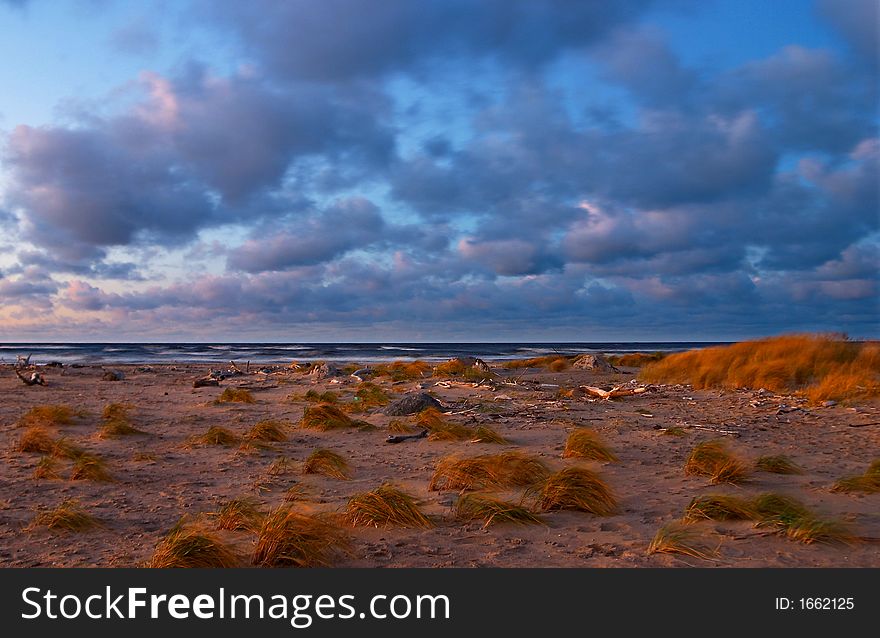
{"points": [[399, 438], [613, 393], [35, 379]]}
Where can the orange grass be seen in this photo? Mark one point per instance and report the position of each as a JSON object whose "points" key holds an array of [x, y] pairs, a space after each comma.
{"points": [[386, 506], [404, 370], [559, 361], [235, 395], [290, 539], [327, 463], [190, 546], [820, 367], [578, 489], [48, 415], [586, 444], [508, 469], [713, 459]]}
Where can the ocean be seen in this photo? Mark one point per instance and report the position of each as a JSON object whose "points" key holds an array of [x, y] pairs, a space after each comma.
{"points": [[146, 353]]}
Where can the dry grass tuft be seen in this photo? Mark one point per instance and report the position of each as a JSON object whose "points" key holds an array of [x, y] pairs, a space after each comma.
{"points": [[485, 434], [291, 539], [719, 507], [400, 427], [790, 517], [235, 395], [36, 439], [586, 444], [459, 368], [240, 514], [47, 468], [322, 397], [116, 422], [192, 546], [88, 467], [217, 435], [442, 430], [508, 469], [369, 395], [493, 511], [269, 431], [553, 362], [778, 464], [713, 459], [675, 538], [327, 417], [635, 359], [675, 431], [48, 416], [576, 488], [386, 506], [821, 367], [869, 482], [404, 370], [327, 463], [67, 516]]}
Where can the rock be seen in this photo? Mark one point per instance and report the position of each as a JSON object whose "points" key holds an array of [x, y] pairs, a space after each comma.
{"points": [[412, 404], [595, 362], [113, 375]]}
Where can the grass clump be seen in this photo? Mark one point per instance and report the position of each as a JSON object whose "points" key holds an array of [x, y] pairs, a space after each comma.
{"points": [[290, 539], [327, 463], [216, 435], [719, 507], [442, 430], [386, 506], [461, 369], [369, 394], [36, 439], [116, 422], [586, 444], [48, 416], [674, 431], [88, 467], [235, 395], [240, 514], [778, 464], [322, 397], [485, 434], [635, 359], [191, 546], [820, 367], [68, 516], [400, 427], [47, 468], [327, 417], [576, 488], [268, 431], [713, 459], [404, 370], [508, 469], [492, 511], [790, 517], [869, 482], [553, 362], [675, 538]]}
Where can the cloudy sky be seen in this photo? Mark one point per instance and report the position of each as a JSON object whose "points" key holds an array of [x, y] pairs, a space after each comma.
{"points": [[342, 170]]}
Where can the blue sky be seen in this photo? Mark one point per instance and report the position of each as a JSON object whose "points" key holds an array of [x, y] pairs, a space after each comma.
{"points": [[455, 169]]}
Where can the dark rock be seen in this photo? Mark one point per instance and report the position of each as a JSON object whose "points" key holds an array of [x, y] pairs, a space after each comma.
{"points": [[113, 375], [412, 404]]}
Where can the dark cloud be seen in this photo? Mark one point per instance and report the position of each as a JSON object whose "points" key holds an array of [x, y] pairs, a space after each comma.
{"points": [[856, 21]]}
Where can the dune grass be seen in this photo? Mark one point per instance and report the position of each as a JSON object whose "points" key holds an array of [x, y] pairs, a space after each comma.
{"points": [[778, 464], [68, 516], [587, 444], [326, 417], [675, 538], [240, 514], [404, 370], [327, 463], [217, 435], [493, 511], [674, 431], [116, 422], [793, 519], [460, 369], [869, 482], [485, 434], [190, 545], [635, 359], [442, 430], [368, 395], [48, 416], [47, 468], [399, 426], [268, 430], [235, 395], [322, 397], [713, 459], [508, 469], [88, 467], [578, 489], [719, 507], [291, 539], [555, 362], [819, 367], [386, 506], [36, 439]]}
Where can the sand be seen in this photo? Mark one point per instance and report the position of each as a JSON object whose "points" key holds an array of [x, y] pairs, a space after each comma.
{"points": [[160, 477]]}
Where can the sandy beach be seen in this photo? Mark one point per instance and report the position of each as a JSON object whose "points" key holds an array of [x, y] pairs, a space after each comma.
{"points": [[162, 474]]}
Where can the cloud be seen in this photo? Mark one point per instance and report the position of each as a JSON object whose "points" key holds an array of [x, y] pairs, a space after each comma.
{"points": [[856, 21]]}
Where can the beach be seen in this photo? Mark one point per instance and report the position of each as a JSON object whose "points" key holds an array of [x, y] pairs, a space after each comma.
{"points": [[164, 471]]}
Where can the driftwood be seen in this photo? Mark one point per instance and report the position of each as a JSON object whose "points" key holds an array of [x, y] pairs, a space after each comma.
{"points": [[206, 382], [863, 425], [613, 393], [35, 379], [399, 438]]}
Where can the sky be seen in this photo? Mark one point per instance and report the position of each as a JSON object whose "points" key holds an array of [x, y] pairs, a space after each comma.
{"points": [[438, 170]]}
